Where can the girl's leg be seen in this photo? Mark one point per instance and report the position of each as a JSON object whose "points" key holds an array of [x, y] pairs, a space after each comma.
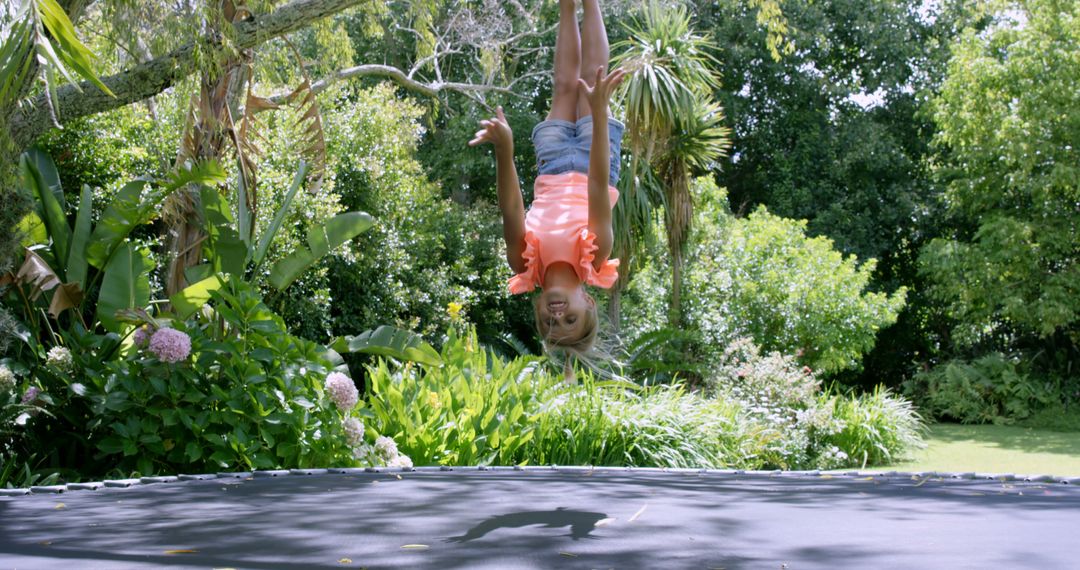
{"points": [[564, 94], [594, 50]]}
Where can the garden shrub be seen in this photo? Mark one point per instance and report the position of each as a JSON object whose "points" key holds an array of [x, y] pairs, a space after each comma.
{"points": [[229, 389], [773, 378], [605, 423], [764, 278], [990, 389], [802, 427]]}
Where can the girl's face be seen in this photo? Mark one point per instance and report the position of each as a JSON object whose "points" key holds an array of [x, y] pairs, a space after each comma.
{"points": [[563, 311]]}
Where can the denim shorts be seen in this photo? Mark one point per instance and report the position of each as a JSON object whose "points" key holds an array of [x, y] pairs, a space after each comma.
{"points": [[563, 146]]}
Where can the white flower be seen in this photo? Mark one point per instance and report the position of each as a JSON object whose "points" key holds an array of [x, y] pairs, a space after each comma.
{"points": [[7, 379], [59, 358], [386, 447], [354, 431], [402, 461]]}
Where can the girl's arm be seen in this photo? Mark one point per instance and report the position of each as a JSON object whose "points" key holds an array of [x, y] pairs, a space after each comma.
{"points": [[600, 161], [497, 131]]}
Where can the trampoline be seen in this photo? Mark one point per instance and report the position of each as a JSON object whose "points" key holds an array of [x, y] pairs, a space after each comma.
{"points": [[546, 518]]}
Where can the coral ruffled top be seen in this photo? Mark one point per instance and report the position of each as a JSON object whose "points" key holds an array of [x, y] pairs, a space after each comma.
{"points": [[557, 229]]}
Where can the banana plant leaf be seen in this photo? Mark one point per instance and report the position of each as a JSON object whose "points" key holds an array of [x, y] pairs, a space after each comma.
{"points": [[126, 284], [322, 238], [224, 248], [33, 230], [80, 238], [129, 209], [194, 296], [48, 208], [392, 342], [259, 253]]}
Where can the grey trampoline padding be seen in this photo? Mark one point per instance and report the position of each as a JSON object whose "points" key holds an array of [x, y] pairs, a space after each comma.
{"points": [[549, 519]]}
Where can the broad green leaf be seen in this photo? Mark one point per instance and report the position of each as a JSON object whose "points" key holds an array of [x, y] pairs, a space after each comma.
{"points": [[48, 171], [279, 217], [244, 215], [392, 342], [194, 296], [226, 251], [289, 269], [208, 172], [120, 217], [76, 262], [126, 284], [324, 238], [128, 209], [33, 230], [50, 210], [197, 273]]}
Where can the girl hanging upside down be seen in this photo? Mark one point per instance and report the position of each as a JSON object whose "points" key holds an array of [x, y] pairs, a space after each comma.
{"points": [[563, 242]]}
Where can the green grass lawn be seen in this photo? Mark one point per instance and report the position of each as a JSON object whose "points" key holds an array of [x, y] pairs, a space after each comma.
{"points": [[996, 449]]}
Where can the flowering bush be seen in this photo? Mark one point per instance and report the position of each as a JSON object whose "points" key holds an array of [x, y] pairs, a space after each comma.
{"points": [[803, 427], [762, 277], [771, 379], [228, 389]]}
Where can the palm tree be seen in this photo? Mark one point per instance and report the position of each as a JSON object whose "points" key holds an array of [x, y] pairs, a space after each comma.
{"points": [[673, 128]]}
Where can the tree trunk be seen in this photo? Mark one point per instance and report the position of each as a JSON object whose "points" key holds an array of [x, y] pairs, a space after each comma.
{"points": [[614, 308], [675, 313], [209, 139]]}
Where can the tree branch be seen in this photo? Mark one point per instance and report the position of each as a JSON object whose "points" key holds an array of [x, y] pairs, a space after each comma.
{"points": [[398, 76], [150, 78]]}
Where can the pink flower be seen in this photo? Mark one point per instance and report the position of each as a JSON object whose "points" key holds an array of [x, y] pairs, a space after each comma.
{"points": [[342, 391], [170, 345], [30, 395], [142, 336]]}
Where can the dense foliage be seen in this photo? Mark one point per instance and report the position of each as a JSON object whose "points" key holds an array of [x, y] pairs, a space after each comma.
{"points": [[1008, 115], [479, 407], [819, 200]]}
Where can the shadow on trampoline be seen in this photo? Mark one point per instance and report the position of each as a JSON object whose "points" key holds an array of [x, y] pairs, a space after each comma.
{"points": [[581, 523], [537, 519]]}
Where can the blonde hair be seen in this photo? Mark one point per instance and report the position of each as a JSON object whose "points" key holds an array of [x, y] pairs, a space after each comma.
{"points": [[582, 347]]}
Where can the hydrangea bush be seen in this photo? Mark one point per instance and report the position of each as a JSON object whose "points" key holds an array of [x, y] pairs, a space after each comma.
{"points": [[227, 389]]}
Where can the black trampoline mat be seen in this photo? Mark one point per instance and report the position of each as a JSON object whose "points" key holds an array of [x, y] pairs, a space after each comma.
{"points": [[546, 518]]}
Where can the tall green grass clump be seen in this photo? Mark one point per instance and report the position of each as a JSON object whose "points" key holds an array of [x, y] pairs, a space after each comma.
{"points": [[877, 428], [476, 408], [763, 412], [607, 423]]}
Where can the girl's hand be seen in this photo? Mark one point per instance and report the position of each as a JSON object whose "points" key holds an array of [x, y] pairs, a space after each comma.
{"points": [[599, 95], [496, 131]]}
